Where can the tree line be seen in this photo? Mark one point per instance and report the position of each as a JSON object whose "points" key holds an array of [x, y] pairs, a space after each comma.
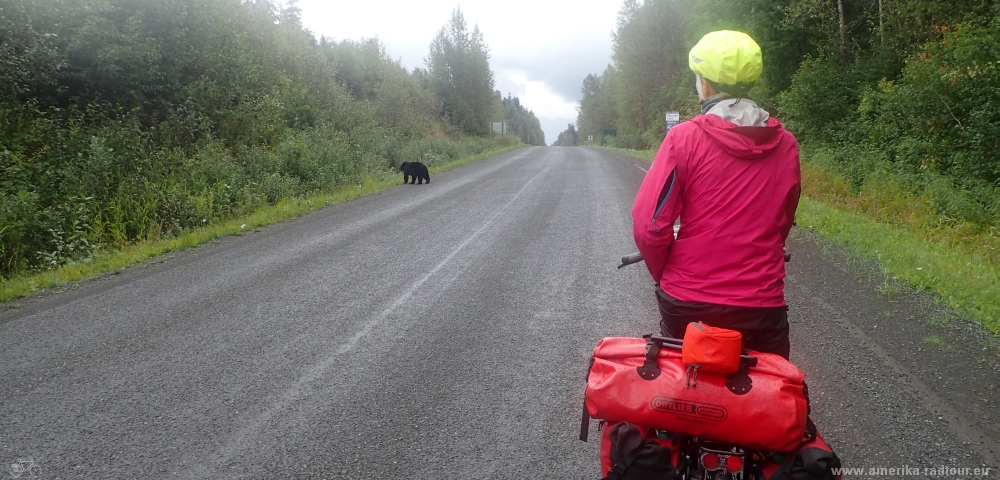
{"points": [[128, 120], [900, 89], [522, 122], [568, 137]]}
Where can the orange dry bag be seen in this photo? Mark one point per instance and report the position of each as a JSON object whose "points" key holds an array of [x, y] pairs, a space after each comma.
{"points": [[711, 349], [763, 405]]}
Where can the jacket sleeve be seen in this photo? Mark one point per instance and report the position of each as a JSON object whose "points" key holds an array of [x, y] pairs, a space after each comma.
{"points": [[658, 204]]}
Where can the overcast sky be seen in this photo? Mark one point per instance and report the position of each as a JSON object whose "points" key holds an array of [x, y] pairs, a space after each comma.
{"points": [[540, 50]]}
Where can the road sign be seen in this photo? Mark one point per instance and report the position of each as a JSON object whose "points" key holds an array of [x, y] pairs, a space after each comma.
{"points": [[673, 118]]}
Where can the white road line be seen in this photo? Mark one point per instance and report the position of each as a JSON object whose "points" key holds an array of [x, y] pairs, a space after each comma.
{"points": [[640, 168], [245, 435]]}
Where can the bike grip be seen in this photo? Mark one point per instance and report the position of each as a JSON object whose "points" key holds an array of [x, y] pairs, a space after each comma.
{"points": [[630, 259]]}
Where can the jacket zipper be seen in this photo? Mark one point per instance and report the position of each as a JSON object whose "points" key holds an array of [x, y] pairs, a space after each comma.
{"points": [[669, 187]]}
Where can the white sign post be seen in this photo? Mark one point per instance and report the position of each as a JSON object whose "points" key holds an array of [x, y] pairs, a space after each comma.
{"points": [[673, 118]]}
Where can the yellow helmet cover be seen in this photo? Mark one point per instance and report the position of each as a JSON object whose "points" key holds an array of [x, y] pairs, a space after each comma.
{"points": [[727, 57]]}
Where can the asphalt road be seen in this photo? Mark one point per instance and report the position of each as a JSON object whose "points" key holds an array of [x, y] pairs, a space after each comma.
{"points": [[443, 331]]}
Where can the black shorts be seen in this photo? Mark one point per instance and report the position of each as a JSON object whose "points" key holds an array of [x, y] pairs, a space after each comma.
{"points": [[763, 329]]}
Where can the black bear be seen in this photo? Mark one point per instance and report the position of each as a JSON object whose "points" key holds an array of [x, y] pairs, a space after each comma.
{"points": [[416, 170]]}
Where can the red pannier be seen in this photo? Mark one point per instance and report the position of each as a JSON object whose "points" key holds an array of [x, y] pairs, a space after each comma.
{"points": [[812, 460], [631, 452], [645, 382]]}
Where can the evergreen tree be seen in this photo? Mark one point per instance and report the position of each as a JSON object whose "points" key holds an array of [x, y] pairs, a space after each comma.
{"points": [[567, 138], [598, 108], [650, 56], [459, 69]]}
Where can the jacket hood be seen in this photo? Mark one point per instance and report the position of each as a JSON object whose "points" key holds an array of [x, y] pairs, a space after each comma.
{"points": [[741, 111], [747, 142]]}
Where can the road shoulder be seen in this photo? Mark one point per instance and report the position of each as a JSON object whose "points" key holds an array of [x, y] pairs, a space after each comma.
{"points": [[929, 373]]}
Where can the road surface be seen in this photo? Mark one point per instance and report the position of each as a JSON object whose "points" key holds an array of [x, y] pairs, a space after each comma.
{"points": [[443, 331]]}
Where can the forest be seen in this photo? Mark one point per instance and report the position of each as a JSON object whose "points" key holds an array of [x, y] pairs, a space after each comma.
{"points": [[123, 121], [886, 93]]}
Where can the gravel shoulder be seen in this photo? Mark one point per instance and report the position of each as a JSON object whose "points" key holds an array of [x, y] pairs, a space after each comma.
{"points": [[895, 379]]}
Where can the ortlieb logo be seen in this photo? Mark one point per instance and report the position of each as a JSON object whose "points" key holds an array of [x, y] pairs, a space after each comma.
{"points": [[687, 408]]}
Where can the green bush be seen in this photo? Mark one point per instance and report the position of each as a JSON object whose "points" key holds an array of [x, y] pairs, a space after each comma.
{"points": [[629, 141], [820, 101], [868, 166], [941, 115]]}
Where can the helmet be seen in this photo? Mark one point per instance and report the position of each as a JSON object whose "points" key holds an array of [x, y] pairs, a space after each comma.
{"points": [[726, 58]]}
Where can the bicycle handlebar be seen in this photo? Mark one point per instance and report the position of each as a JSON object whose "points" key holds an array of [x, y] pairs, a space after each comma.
{"points": [[630, 259], [637, 257]]}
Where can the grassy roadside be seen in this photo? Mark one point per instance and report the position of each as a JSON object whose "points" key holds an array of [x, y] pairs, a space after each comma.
{"points": [[109, 261], [645, 154], [955, 262], [961, 280]]}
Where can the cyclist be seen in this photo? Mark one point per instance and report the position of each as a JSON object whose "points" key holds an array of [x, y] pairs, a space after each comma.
{"points": [[731, 177]]}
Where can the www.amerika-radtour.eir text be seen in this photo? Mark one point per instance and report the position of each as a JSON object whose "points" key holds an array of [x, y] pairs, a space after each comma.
{"points": [[940, 471]]}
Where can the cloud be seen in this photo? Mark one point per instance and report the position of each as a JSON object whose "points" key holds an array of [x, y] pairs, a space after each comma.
{"points": [[539, 51], [535, 95], [553, 110], [562, 66]]}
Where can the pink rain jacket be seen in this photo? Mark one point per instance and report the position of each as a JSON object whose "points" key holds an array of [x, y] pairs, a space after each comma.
{"points": [[735, 190]]}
